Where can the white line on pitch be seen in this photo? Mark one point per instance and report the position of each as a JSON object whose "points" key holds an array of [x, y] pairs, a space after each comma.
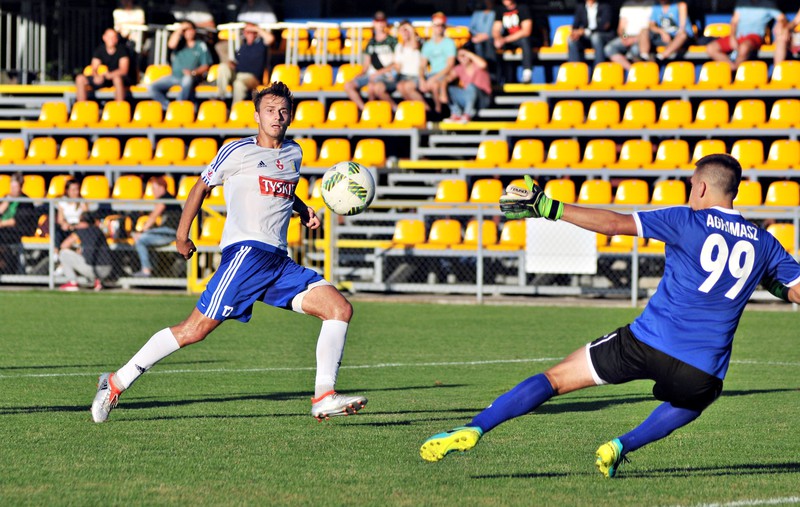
{"points": [[753, 502]]}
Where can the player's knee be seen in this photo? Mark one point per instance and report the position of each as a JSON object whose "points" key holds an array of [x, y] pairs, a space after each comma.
{"points": [[342, 310]]}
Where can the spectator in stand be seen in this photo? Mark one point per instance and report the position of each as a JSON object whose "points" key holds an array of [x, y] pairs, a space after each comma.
{"points": [[127, 14], [407, 61], [258, 12], [92, 259], [190, 61], [749, 24], [247, 68], [68, 213], [17, 219], [117, 61], [670, 28], [152, 234], [514, 28], [591, 28], [480, 31], [470, 86], [438, 59], [195, 11], [377, 65], [634, 16], [787, 42]]}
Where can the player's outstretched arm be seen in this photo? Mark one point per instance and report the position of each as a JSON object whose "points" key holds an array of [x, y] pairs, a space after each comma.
{"points": [[194, 201]]}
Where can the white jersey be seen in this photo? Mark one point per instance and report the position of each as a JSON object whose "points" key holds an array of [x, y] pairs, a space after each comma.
{"points": [[259, 185]]}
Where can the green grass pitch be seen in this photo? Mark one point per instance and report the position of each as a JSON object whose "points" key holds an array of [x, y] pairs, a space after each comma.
{"points": [[226, 421]]}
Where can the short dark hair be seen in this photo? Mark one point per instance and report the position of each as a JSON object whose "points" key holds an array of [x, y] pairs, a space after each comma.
{"points": [[724, 171], [276, 89]]}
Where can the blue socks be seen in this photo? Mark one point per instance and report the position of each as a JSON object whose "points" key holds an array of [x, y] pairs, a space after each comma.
{"points": [[525, 397], [664, 420]]}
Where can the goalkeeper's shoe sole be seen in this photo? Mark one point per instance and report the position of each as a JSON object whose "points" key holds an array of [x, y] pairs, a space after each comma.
{"points": [[440, 445], [333, 404], [608, 458], [106, 398]]}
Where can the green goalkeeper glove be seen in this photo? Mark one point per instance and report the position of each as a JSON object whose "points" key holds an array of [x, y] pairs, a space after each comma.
{"points": [[529, 202], [775, 288]]}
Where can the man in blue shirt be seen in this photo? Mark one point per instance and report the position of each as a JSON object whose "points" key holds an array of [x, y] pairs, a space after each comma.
{"points": [[682, 340], [190, 61], [248, 65], [749, 25]]}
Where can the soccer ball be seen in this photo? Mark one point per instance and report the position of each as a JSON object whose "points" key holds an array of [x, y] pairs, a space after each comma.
{"points": [[347, 188]]}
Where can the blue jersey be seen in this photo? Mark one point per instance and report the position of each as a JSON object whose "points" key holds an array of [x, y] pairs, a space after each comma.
{"points": [[715, 259]]}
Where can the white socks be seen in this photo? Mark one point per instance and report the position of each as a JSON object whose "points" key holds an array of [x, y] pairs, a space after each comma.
{"points": [[330, 348], [162, 344]]}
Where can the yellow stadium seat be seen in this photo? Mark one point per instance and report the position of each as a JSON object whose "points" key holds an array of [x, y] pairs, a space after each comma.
{"points": [[242, 115], [571, 76], [527, 153], [677, 76], [491, 153], [41, 150], [201, 152], [532, 114], [137, 151], [675, 113], [669, 193], [341, 114], [53, 114], [641, 76], [632, 192], [595, 192], [56, 187], [561, 189], [33, 186], [317, 77], [216, 197], [211, 231], [73, 150], [747, 114], [749, 153], [294, 39], [671, 154], [451, 191], [185, 186], [408, 232], [621, 244], [785, 113], [95, 186], [786, 236], [148, 188], [749, 193], [309, 147], [750, 75], [717, 30], [155, 72], [783, 193], [785, 75], [332, 151], [653, 246], [376, 114], [606, 76], [294, 234], [444, 233], [409, 114], [635, 154], [211, 114], [105, 150], [116, 113], [714, 76], [560, 40], [459, 34], [179, 114], [598, 154], [486, 190], [562, 153], [711, 114], [602, 114], [567, 114], [326, 40], [783, 154], [146, 114], [289, 74], [512, 237], [351, 40], [639, 114], [309, 114], [5, 184], [370, 152], [83, 114], [346, 72], [488, 233], [707, 147], [12, 150], [127, 186], [301, 189], [169, 151]]}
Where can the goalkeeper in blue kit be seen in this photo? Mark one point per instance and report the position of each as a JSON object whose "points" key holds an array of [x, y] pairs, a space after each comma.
{"points": [[682, 340]]}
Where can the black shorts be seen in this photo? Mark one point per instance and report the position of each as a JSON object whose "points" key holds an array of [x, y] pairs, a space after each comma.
{"points": [[106, 83], [620, 357]]}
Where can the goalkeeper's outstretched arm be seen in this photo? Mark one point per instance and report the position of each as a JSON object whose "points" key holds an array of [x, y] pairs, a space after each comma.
{"points": [[603, 221]]}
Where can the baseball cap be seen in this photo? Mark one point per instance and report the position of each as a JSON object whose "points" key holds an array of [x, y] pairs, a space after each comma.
{"points": [[379, 16]]}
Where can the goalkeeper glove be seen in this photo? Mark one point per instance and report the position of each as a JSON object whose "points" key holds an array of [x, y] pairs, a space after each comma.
{"points": [[775, 288], [529, 202]]}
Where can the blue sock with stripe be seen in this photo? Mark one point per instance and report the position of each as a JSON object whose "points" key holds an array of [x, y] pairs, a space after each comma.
{"points": [[525, 397], [665, 419]]}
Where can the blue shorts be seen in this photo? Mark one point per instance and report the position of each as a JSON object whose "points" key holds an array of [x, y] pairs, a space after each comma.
{"points": [[251, 271]]}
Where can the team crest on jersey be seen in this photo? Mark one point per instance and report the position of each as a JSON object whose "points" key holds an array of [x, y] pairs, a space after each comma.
{"points": [[276, 188], [279, 164]]}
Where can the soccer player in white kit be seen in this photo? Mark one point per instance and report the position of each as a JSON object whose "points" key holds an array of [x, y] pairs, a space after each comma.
{"points": [[259, 175]]}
